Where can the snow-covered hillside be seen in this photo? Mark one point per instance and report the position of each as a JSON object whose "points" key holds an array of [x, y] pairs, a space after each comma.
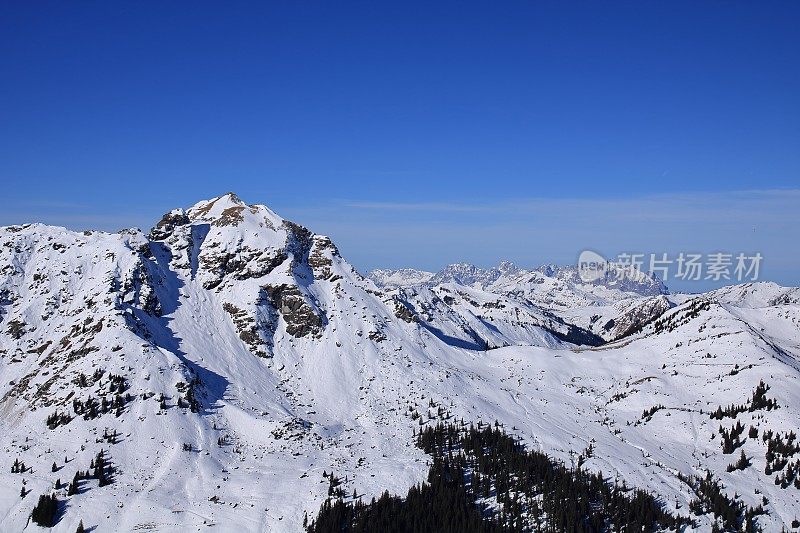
{"points": [[228, 360]]}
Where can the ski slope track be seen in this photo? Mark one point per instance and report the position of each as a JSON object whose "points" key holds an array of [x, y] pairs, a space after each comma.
{"points": [[226, 359]]}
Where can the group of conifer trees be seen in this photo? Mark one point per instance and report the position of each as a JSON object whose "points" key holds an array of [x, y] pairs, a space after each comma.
{"points": [[46, 511], [780, 449], [482, 479], [730, 514], [757, 402], [731, 437]]}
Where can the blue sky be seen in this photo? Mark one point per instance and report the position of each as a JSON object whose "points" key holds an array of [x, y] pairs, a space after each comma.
{"points": [[416, 134]]}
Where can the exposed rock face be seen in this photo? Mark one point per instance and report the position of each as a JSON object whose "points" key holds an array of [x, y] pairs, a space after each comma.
{"points": [[138, 288], [250, 330], [321, 258], [300, 317], [403, 310], [16, 329], [244, 264], [300, 239], [166, 226], [232, 215]]}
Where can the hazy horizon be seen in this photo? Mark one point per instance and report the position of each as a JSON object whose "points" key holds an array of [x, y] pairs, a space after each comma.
{"points": [[378, 235]]}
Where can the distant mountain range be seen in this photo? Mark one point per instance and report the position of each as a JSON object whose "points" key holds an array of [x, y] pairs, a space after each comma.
{"points": [[507, 272]]}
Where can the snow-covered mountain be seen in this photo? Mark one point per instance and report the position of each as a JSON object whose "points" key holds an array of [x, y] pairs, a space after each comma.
{"points": [[220, 366], [488, 306]]}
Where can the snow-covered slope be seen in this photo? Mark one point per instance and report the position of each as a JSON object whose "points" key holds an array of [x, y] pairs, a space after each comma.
{"points": [[226, 360]]}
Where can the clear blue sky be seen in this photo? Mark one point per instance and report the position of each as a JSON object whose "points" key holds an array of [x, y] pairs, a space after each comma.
{"points": [[358, 119]]}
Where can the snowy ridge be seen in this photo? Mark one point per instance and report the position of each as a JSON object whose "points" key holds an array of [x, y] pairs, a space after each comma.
{"points": [[228, 358], [762, 294]]}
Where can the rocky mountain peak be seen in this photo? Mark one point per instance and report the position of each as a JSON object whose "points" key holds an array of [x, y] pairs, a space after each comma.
{"points": [[465, 274], [507, 268], [230, 210]]}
